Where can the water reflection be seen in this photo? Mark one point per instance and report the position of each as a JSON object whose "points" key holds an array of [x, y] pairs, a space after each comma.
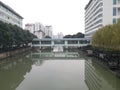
{"points": [[68, 70], [40, 56], [12, 72], [58, 49], [99, 78], [54, 55]]}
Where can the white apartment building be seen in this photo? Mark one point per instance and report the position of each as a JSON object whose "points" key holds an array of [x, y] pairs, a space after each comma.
{"points": [[39, 29], [99, 13], [30, 27], [48, 31], [38, 26], [8, 15], [40, 34], [60, 35]]}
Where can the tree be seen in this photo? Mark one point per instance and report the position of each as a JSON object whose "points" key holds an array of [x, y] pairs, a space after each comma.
{"points": [[78, 35], [12, 35], [67, 36], [47, 37], [107, 37]]}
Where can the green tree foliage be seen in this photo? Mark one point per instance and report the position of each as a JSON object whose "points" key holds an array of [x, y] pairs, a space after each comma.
{"points": [[107, 37], [12, 36], [78, 35], [47, 37], [67, 36]]}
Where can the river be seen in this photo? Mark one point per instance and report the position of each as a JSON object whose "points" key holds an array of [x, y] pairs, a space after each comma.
{"points": [[68, 70]]}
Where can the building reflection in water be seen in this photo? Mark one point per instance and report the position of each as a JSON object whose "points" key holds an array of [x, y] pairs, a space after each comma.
{"points": [[13, 70], [98, 78], [54, 55], [39, 57]]}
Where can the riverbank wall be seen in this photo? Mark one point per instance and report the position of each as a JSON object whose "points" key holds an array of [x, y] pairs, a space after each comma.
{"points": [[109, 59], [13, 52]]}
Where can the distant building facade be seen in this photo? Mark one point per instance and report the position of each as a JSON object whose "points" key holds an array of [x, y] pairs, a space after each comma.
{"points": [[48, 31], [39, 29], [8, 15], [30, 27], [40, 34], [99, 13], [60, 35]]}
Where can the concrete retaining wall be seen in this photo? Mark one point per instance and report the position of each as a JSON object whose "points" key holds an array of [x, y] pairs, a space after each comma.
{"points": [[12, 53]]}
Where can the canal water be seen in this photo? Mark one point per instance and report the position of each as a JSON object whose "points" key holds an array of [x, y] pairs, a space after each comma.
{"points": [[68, 70]]}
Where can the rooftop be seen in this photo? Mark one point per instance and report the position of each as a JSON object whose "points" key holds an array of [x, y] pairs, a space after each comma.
{"points": [[10, 9], [88, 4]]}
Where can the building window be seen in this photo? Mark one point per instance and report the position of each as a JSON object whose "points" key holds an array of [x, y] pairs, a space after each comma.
{"points": [[114, 2], [114, 11], [114, 21]]}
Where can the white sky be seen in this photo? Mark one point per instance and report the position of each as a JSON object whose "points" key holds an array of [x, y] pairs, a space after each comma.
{"points": [[66, 16]]}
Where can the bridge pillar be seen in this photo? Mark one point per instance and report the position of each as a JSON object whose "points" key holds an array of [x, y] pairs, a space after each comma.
{"points": [[52, 43], [40, 44], [31, 45], [78, 43], [66, 44]]}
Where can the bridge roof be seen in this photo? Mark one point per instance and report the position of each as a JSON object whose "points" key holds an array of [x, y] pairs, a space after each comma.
{"points": [[49, 39]]}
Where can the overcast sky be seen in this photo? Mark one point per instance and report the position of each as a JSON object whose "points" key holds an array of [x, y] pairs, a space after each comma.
{"points": [[66, 16]]}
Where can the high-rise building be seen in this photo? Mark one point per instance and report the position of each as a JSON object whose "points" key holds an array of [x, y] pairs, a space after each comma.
{"points": [[30, 27], [99, 13], [48, 30], [40, 34], [8, 15], [39, 26], [60, 35], [39, 29], [36, 28]]}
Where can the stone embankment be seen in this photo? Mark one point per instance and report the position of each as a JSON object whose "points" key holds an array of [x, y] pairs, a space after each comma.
{"points": [[14, 52], [108, 58]]}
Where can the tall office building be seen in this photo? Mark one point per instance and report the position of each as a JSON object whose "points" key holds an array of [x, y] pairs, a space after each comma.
{"points": [[8, 15], [99, 13]]}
